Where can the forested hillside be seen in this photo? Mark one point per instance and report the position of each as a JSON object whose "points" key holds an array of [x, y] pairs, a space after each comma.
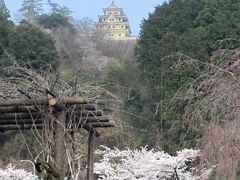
{"points": [[183, 46], [176, 87], [177, 32]]}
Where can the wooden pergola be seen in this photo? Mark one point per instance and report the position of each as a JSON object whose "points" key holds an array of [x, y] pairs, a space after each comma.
{"points": [[66, 114]]}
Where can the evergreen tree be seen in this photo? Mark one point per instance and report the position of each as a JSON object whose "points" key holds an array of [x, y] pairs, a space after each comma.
{"points": [[53, 21], [58, 9], [4, 15], [59, 17], [31, 9], [194, 28], [4, 12], [33, 48], [5, 28]]}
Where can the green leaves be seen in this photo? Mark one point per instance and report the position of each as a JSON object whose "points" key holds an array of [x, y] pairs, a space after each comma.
{"points": [[4, 12], [27, 45], [31, 9], [31, 47], [196, 29], [53, 21]]}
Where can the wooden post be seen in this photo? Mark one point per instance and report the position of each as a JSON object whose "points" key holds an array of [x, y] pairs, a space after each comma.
{"points": [[59, 143], [91, 139]]}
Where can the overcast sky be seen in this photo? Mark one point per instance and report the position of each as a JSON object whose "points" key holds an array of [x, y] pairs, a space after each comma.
{"points": [[136, 10]]}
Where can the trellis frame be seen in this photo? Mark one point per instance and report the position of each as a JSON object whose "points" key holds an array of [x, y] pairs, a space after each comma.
{"points": [[27, 115]]}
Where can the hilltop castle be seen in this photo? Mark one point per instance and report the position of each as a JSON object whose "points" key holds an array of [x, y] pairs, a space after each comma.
{"points": [[114, 22]]}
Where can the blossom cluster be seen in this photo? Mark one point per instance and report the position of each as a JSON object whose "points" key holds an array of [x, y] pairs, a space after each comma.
{"points": [[11, 173], [146, 164], [141, 164]]}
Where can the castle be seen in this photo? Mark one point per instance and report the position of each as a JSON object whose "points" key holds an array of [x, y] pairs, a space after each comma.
{"points": [[114, 23]]}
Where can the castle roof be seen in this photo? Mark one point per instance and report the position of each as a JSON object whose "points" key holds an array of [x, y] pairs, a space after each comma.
{"points": [[113, 6]]}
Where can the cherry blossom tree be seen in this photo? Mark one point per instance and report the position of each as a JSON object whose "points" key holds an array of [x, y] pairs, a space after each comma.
{"points": [[148, 164]]}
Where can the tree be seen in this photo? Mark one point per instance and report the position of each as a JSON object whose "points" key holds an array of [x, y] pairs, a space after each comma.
{"points": [[4, 15], [58, 9], [217, 111], [148, 164], [53, 21], [31, 9], [5, 28], [176, 31], [32, 48], [4, 12]]}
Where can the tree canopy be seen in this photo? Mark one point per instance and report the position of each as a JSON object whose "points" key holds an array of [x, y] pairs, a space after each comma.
{"points": [[175, 33], [53, 21], [24, 43], [31, 9], [39, 49], [5, 27], [4, 12]]}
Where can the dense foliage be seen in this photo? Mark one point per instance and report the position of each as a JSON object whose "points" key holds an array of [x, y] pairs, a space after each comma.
{"points": [[31, 9], [5, 26], [58, 17], [39, 49], [25, 44], [179, 32], [53, 21]]}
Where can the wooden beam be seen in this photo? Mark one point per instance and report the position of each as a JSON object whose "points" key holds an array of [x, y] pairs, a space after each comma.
{"points": [[83, 120], [87, 113], [69, 101], [4, 128], [33, 115], [90, 169], [100, 121], [29, 115], [102, 124], [32, 102], [14, 109], [23, 102], [95, 119], [88, 107], [21, 121]]}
